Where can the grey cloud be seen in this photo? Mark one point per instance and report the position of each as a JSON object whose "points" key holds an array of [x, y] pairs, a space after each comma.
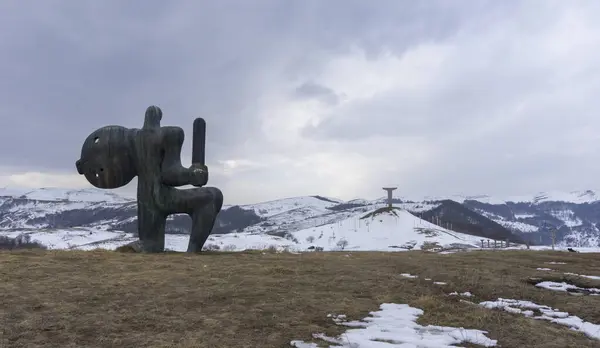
{"points": [[311, 90], [69, 67], [72, 67], [530, 152]]}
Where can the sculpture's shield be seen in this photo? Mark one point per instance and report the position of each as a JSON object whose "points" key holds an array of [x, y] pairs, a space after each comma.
{"points": [[106, 160]]}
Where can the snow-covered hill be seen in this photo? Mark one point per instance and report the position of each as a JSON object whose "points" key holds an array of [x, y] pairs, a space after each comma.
{"points": [[572, 224], [55, 194], [577, 196], [91, 217], [380, 229]]}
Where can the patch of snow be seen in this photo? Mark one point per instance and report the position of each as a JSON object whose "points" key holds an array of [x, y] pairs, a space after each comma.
{"points": [[584, 276], [395, 326], [408, 275], [359, 201], [544, 269], [554, 315], [564, 287], [524, 216], [307, 206], [465, 294], [567, 217], [556, 263], [578, 238], [68, 238], [418, 207], [586, 196], [439, 283], [583, 196], [516, 225], [59, 194]]}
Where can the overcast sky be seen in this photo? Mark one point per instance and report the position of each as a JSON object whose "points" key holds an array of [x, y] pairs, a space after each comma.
{"points": [[336, 97]]}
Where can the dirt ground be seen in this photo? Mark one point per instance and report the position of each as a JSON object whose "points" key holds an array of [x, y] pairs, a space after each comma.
{"points": [[265, 299]]}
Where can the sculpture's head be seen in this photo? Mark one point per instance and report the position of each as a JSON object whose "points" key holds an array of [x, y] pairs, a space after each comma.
{"points": [[106, 158]]}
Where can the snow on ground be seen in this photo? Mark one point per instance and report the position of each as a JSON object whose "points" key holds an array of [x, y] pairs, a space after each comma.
{"points": [[515, 225], [394, 230], [408, 275], [412, 206], [583, 196], [511, 225], [360, 201], [69, 238], [89, 239], [464, 294], [418, 207], [388, 231], [394, 325], [577, 239], [385, 231], [304, 204], [38, 209], [527, 308], [227, 242], [566, 287], [584, 276], [524, 216], [58, 194], [568, 217]]}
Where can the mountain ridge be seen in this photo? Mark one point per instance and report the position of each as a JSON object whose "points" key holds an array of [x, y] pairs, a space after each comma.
{"points": [[573, 221]]}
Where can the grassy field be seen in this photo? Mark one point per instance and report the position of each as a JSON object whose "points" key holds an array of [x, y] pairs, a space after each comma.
{"points": [[261, 299]]}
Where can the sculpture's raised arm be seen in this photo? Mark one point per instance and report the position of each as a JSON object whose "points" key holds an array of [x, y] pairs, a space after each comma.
{"points": [[173, 172]]}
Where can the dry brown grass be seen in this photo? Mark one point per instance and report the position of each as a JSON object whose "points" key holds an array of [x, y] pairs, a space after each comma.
{"points": [[254, 299]]}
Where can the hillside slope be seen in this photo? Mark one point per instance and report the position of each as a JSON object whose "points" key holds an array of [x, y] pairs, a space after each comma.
{"points": [[574, 223], [379, 229], [382, 229]]}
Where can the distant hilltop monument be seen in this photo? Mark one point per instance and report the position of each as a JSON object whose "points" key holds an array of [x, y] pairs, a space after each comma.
{"points": [[389, 194]]}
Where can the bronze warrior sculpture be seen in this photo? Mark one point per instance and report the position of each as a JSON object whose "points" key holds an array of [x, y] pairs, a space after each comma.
{"points": [[113, 155]]}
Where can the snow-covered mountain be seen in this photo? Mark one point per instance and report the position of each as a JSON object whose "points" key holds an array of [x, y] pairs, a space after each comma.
{"points": [[380, 229], [99, 218], [571, 217], [572, 224], [578, 196]]}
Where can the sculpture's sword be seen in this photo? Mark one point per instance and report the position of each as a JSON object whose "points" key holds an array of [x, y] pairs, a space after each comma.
{"points": [[199, 142]]}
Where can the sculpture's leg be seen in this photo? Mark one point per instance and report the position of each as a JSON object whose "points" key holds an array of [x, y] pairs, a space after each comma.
{"points": [[203, 218], [151, 228]]}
